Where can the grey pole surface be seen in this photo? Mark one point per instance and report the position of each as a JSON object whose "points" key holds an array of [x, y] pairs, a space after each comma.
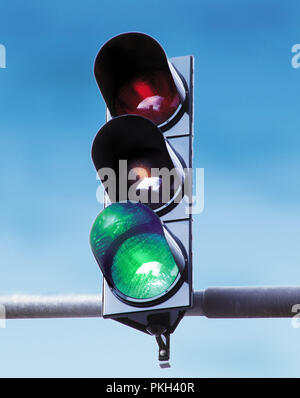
{"points": [[213, 302], [246, 302], [60, 306]]}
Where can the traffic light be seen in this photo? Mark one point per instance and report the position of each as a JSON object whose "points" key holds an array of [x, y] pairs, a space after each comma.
{"points": [[135, 77], [142, 240], [141, 261], [134, 149]]}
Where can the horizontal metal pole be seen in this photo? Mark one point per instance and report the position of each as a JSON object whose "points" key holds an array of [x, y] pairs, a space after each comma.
{"points": [[213, 302], [62, 306], [246, 302]]}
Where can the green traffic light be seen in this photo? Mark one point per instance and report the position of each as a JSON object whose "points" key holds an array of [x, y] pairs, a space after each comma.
{"points": [[144, 267], [130, 247]]}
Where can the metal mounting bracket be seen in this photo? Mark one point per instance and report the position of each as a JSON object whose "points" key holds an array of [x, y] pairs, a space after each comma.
{"points": [[163, 342]]}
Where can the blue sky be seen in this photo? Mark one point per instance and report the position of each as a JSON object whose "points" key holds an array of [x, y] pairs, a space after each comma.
{"points": [[247, 124]]}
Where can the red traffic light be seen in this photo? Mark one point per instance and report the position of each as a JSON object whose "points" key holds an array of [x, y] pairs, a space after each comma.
{"points": [[135, 77], [152, 94]]}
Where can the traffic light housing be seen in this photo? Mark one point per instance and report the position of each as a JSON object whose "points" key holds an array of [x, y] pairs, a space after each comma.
{"points": [[132, 146], [135, 77], [149, 127]]}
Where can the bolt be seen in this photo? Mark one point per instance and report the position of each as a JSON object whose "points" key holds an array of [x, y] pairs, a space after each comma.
{"points": [[162, 353]]}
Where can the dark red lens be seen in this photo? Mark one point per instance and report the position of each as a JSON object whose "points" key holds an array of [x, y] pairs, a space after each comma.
{"points": [[151, 94]]}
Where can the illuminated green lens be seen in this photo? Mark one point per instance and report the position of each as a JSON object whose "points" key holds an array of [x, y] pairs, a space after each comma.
{"points": [[130, 247], [144, 267]]}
